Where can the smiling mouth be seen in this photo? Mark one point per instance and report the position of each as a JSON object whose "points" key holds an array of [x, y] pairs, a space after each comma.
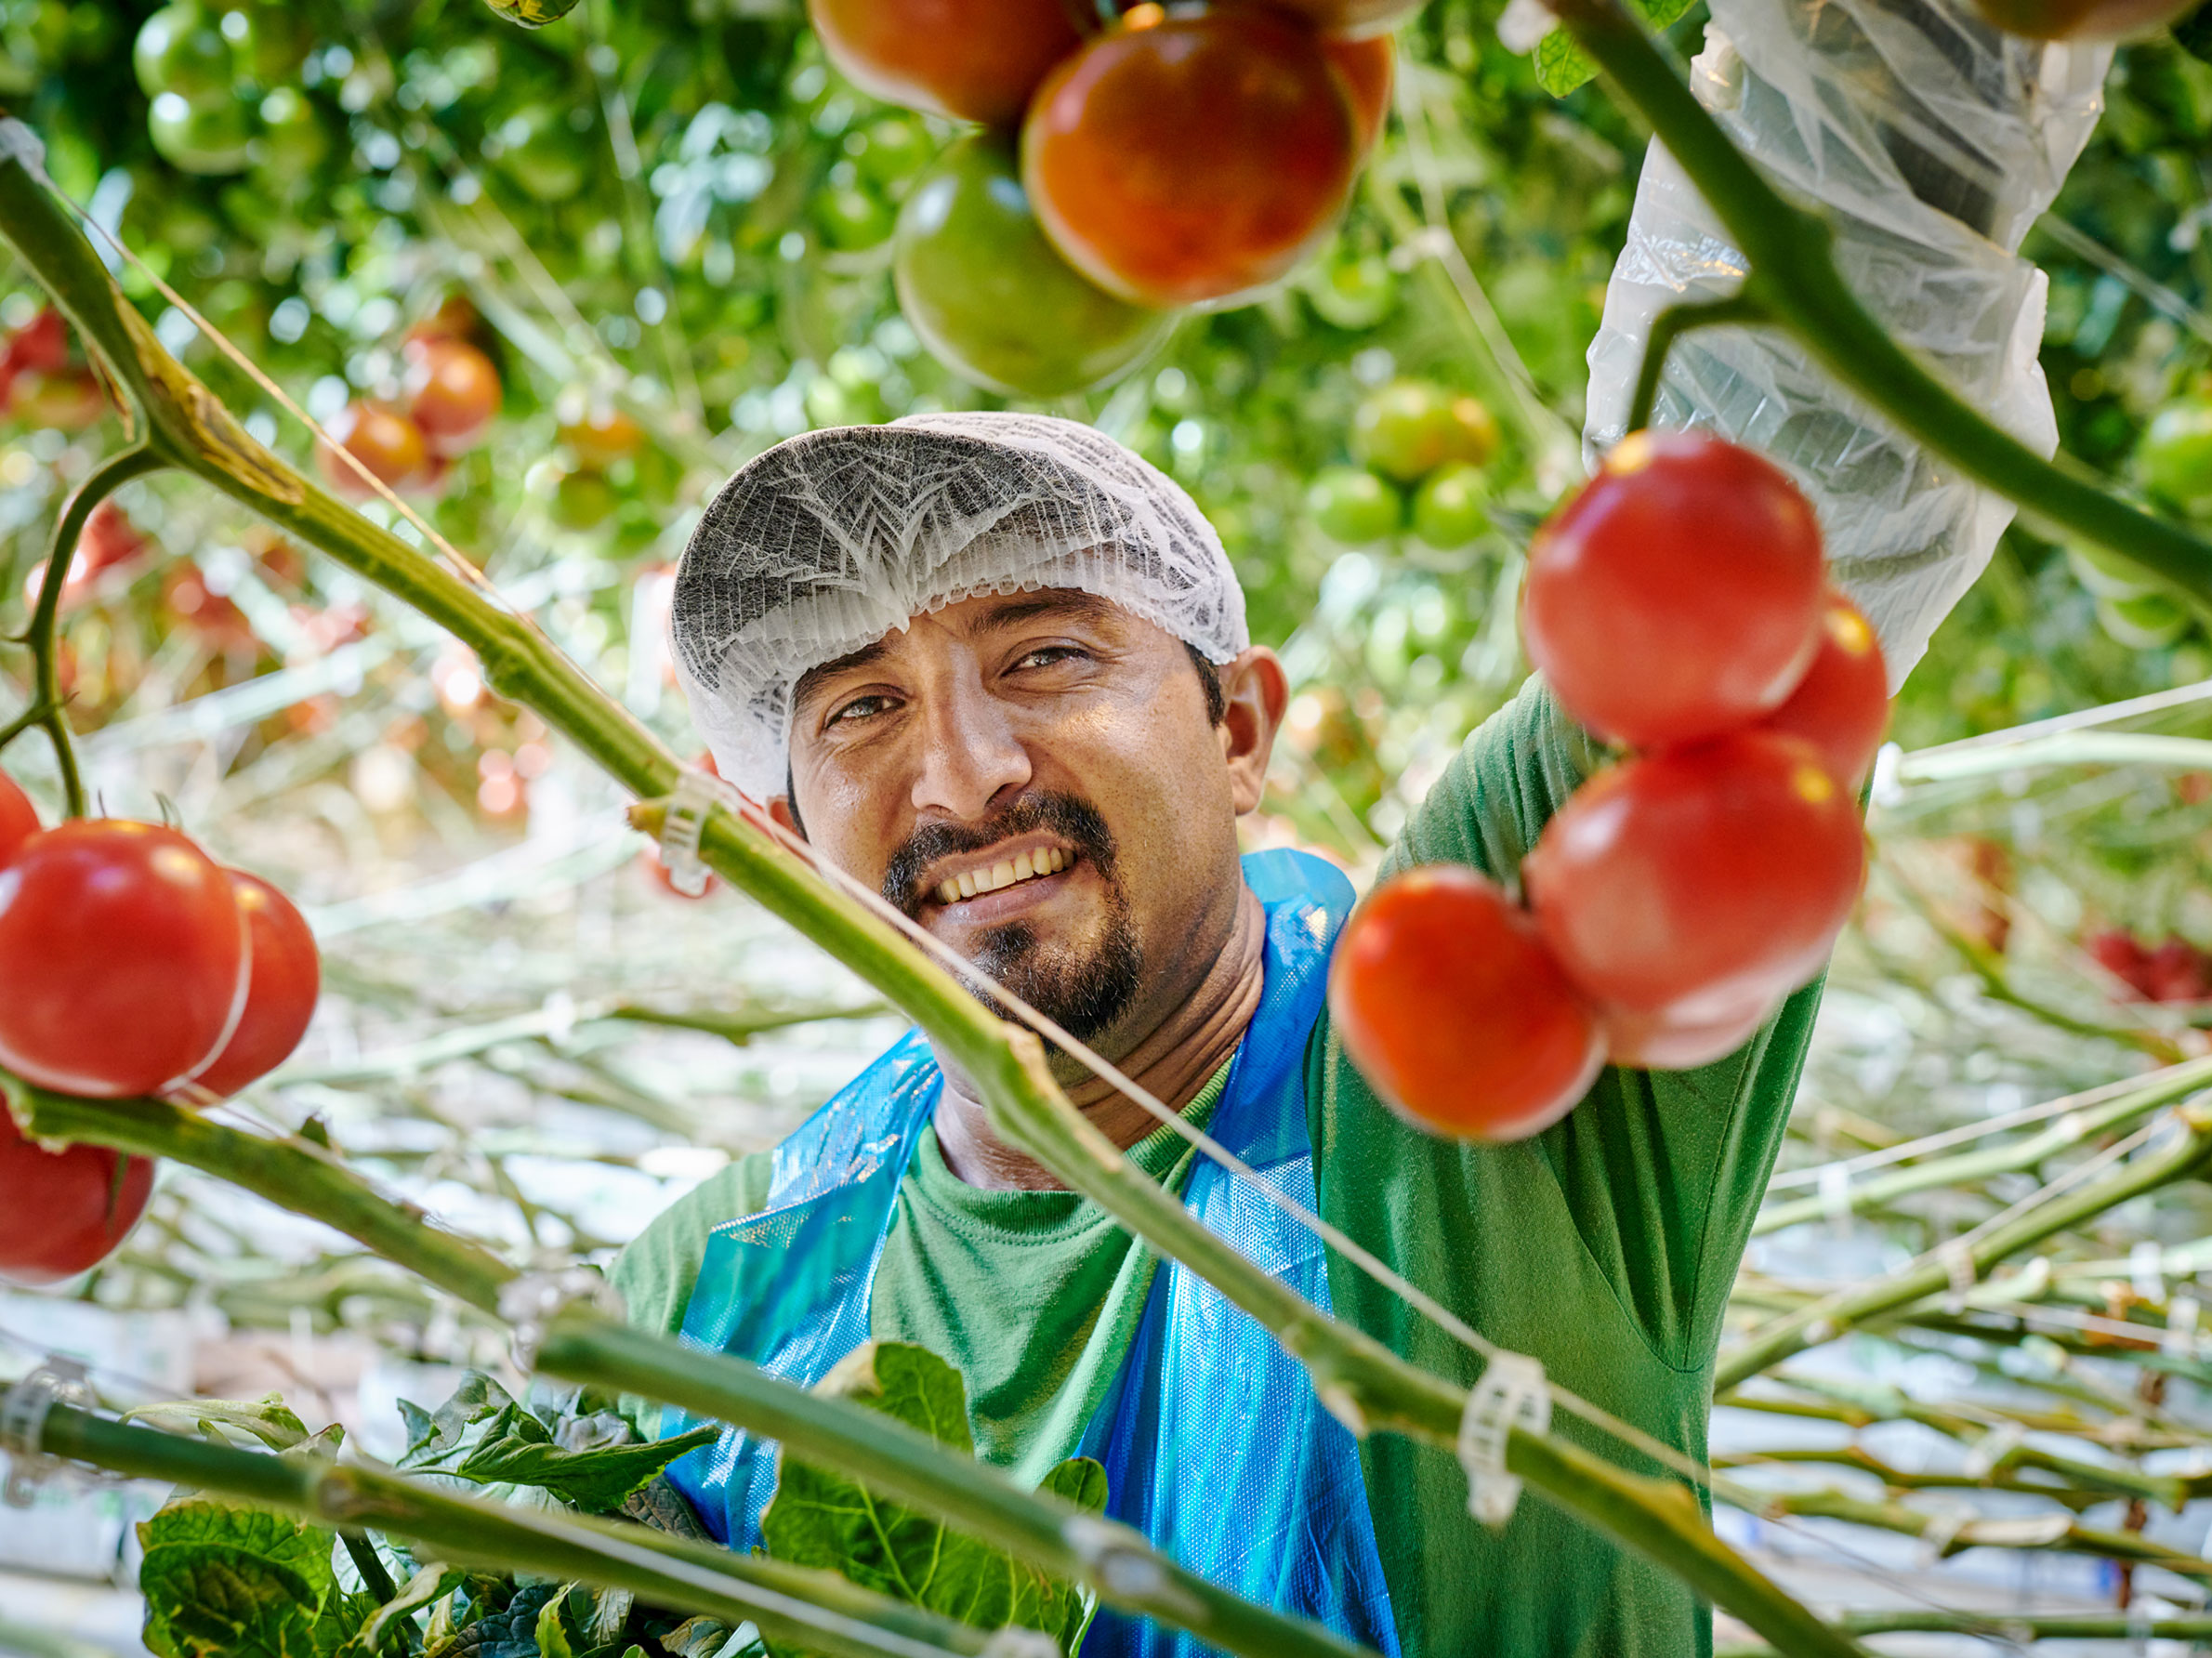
{"points": [[1006, 871]]}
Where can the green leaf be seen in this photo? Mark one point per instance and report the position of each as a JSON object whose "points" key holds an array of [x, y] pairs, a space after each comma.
{"points": [[483, 1436], [268, 1419], [820, 1518], [339, 1626], [430, 1584], [1562, 65], [222, 1581]]}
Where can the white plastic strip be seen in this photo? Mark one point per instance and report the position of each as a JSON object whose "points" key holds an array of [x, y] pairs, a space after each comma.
{"points": [[1511, 1393], [697, 793]]}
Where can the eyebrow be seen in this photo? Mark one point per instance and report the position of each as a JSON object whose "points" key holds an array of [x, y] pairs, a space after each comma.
{"points": [[1027, 607], [810, 681]]}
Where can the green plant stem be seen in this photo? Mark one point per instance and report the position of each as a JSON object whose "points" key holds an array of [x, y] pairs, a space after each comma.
{"points": [[817, 1610], [1670, 325], [373, 1577], [2091, 1483], [47, 706], [1824, 1320], [1971, 1167], [1793, 274]]}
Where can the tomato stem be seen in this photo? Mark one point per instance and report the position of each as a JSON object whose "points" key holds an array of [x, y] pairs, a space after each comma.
{"points": [[1670, 325], [1793, 270]]}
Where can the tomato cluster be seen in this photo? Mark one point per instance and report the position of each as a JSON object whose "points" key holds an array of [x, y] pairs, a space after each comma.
{"points": [[450, 395], [216, 76], [1176, 157], [1412, 435], [130, 964], [1677, 607], [2173, 971]]}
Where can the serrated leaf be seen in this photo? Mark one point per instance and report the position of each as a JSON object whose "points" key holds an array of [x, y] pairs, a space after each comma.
{"points": [[482, 1435], [221, 1580], [1562, 65], [821, 1518], [428, 1584], [268, 1419]]}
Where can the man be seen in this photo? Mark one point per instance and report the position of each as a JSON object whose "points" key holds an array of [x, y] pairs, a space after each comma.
{"points": [[998, 665]]}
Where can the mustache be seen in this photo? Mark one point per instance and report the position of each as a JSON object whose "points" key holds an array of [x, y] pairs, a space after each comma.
{"points": [[1072, 818]]}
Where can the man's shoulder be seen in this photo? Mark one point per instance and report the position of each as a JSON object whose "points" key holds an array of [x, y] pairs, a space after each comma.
{"points": [[657, 1270]]}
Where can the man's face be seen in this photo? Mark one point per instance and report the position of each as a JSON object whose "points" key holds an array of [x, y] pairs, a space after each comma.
{"points": [[1036, 780]]}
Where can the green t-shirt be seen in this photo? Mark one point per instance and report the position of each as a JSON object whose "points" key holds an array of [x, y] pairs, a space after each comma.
{"points": [[1605, 1246]]}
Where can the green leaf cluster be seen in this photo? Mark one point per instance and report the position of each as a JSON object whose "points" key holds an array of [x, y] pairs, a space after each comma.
{"points": [[1562, 65]]}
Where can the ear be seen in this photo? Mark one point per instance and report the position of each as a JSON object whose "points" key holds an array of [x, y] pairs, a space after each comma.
{"points": [[1255, 690], [779, 807]]}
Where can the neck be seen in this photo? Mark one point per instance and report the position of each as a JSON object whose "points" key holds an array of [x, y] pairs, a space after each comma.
{"points": [[1173, 1060]]}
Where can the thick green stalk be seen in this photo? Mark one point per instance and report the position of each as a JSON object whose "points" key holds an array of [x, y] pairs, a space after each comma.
{"points": [[1793, 275], [1824, 1320], [817, 1610], [1670, 325]]}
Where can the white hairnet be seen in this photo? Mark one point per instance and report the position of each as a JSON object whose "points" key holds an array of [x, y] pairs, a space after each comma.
{"points": [[829, 541]]}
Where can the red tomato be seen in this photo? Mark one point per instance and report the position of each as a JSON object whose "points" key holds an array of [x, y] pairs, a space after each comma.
{"points": [[18, 818], [1368, 66], [40, 344], [71, 401], [122, 958], [1843, 704], [62, 1212], [1692, 884], [109, 537], [973, 60], [1356, 19], [1455, 1013], [1653, 1042], [220, 625], [1679, 594], [390, 445], [284, 980], [604, 435], [453, 393], [1181, 160]]}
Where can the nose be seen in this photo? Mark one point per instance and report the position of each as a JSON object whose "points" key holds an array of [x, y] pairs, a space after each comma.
{"points": [[971, 751]]}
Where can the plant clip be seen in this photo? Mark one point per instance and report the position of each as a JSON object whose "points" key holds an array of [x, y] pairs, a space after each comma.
{"points": [[1835, 1197], [1013, 1642], [1957, 1256], [697, 793], [56, 1380], [1120, 1559], [2180, 1341], [1945, 1522], [533, 1301], [1511, 1393]]}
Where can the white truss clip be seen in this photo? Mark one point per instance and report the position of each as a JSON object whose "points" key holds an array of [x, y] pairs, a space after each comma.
{"points": [[697, 793], [531, 1302], [1957, 1256], [1511, 1393], [23, 1411]]}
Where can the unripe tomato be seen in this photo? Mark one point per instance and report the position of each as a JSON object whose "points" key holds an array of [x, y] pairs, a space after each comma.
{"points": [[453, 393], [2082, 19], [390, 445], [180, 48], [284, 980], [1692, 883], [2147, 621], [893, 150], [64, 1212], [1843, 704], [1410, 427], [991, 296], [973, 60], [1447, 1001], [2175, 454], [1351, 504], [1353, 292], [1679, 594], [851, 218], [544, 153], [1189, 159], [1653, 1042], [293, 141], [19, 821], [583, 500], [1368, 67], [1452, 508], [122, 958], [603, 436], [209, 139]]}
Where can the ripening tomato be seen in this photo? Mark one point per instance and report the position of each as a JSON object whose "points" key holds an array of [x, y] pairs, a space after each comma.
{"points": [[40, 344], [71, 401], [603, 436], [2082, 19], [109, 538], [1183, 160], [1369, 67], [453, 393], [1695, 882], [1679, 594], [122, 958], [284, 979], [63, 1212], [1455, 1013], [1410, 427], [1843, 704], [973, 60], [18, 818], [1653, 1042], [390, 445]]}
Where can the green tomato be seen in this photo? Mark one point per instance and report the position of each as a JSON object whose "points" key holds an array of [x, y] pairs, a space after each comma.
{"points": [[897, 148], [1410, 427], [2144, 623], [293, 141], [1353, 505], [2107, 575], [279, 43], [851, 218], [1355, 293], [211, 137], [545, 155], [583, 500], [1451, 508], [991, 299], [181, 50], [2176, 454]]}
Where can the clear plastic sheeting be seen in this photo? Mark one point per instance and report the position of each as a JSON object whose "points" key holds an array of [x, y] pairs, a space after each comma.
{"points": [[831, 540], [1934, 142]]}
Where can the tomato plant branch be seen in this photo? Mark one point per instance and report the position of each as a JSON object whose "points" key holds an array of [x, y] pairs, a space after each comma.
{"points": [[1793, 273], [1824, 1319], [819, 1611], [46, 708], [1670, 325]]}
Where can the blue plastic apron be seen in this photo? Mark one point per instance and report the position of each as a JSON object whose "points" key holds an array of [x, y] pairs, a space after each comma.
{"points": [[1214, 1443]]}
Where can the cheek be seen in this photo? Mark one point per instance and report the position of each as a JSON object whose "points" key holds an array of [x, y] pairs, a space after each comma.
{"points": [[852, 818]]}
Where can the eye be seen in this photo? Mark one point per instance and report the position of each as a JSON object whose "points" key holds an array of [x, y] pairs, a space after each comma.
{"points": [[859, 708], [1045, 656]]}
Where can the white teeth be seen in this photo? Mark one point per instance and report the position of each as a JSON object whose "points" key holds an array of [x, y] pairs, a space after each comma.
{"points": [[1002, 873], [1005, 872], [968, 885], [1023, 868], [948, 892]]}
